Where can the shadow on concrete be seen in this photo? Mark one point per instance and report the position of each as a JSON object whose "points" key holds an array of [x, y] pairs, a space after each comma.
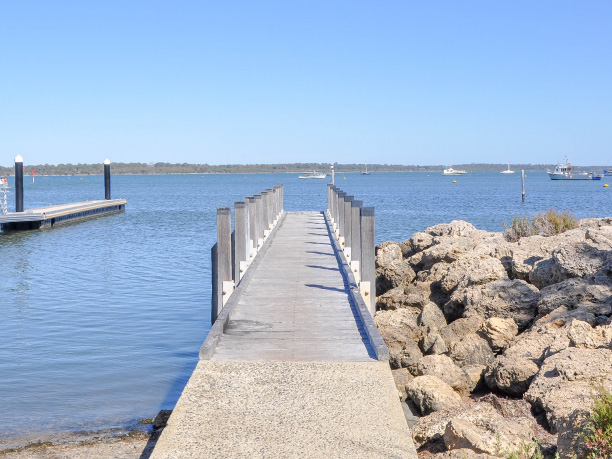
{"points": [[322, 267]]}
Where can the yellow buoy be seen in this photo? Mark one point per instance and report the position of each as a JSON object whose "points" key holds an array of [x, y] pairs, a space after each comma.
{"points": [[606, 185], [344, 178], [454, 181]]}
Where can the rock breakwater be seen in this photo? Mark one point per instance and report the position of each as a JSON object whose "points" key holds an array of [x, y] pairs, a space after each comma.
{"points": [[498, 344]]}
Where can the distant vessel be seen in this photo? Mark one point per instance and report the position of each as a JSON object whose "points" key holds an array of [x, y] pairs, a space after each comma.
{"points": [[507, 171], [366, 171], [564, 171], [313, 175], [451, 171]]}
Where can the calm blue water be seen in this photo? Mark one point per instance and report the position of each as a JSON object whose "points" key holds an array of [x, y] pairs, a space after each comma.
{"points": [[102, 320]]}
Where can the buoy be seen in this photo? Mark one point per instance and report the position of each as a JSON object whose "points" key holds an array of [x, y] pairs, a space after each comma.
{"points": [[344, 178], [454, 181], [605, 186]]}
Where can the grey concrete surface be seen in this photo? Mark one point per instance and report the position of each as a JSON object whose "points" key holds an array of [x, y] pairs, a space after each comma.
{"points": [[287, 410]]}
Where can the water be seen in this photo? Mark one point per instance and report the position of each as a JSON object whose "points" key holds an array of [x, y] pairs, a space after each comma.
{"points": [[102, 320]]}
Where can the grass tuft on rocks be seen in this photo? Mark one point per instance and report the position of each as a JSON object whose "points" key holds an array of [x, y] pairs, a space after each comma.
{"points": [[546, 223], [598, 433]]}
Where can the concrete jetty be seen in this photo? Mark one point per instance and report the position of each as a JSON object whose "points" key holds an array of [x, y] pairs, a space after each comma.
{"points": [[294, 366]]}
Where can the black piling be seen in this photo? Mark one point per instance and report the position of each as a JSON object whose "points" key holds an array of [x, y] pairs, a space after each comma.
{"points": [[107, 194], [18, 184]]}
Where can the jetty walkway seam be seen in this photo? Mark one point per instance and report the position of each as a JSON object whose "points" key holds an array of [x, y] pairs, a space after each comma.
{"points": [[218, 328], [376, 341]]}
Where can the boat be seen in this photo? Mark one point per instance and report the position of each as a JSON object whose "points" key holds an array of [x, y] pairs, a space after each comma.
{"points": [[564, 171], [313, 175], [595, 176], [507, 171], [366, 171], [451, 171]]}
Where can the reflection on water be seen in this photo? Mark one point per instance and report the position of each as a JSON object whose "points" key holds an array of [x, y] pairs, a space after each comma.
{"points": [[102, 320]]}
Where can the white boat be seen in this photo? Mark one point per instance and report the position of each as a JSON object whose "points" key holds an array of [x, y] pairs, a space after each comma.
{"points": [[564, 171], [451, 171], [366, 171], [507, 171], [313, 175]]}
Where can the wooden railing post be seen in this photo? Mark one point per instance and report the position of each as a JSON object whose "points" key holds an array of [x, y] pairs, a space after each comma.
{"points": [[223, 272], [259, 220], [356, 239], [265, 206], [348, 218], [368, 268], [252, 226], [341, 196], [241, 229]]}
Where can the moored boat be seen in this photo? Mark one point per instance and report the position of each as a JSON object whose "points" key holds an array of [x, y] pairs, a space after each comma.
{"points": [[565, 171], [450, 171], [507, 171], [313, 175]]}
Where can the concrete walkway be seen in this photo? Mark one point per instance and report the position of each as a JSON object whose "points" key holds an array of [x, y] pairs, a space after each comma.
{"points": [[293, 375]]}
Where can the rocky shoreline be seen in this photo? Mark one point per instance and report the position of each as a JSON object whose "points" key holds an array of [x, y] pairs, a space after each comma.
{"points": [[494, 344]]}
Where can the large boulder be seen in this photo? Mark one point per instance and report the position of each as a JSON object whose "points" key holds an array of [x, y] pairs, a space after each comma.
{"points": [[431, 316], [401, 334], [447, 251], [471, 270], [401, 377], [574, 292], [471, 350], [505, 298], [430, 394], [455, 228], [396, 273], [460, 328], [419, 242], [511, 374], [386, 253], [498, 332], [414, 296], [564, 390], [445, 369]]}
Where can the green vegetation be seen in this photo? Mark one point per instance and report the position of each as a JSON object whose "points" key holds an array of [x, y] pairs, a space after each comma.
{"points": [[185, 168], [548, 223], [598, 433]]}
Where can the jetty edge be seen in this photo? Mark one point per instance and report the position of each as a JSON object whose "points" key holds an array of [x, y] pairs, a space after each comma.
{"points": [[50, 216], [495, 344], [293, 365]]}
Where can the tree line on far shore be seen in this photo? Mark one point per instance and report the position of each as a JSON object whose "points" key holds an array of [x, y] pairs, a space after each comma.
{"points": [[185, 168]]}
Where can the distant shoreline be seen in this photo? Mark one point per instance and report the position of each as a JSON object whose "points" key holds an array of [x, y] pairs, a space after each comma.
{"points": [[295, 168]]}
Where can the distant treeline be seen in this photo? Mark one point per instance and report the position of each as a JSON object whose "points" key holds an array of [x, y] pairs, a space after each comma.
{"points": [[185, 168]]}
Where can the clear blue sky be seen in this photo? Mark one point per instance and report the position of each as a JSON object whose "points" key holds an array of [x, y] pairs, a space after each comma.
{"points": [[402, 82]]}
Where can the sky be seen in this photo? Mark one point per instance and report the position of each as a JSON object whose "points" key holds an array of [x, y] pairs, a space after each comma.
{"points": [[396, 82]]}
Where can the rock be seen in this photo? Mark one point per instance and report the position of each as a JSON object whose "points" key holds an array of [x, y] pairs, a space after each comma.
{"points": [[476, 374], [488, 433], [471, 350], [396, 273], [460, 328], [431, 316], [564, 388], [448, 251], [445, 369], [430, 394], [576, 259], [403, 319], [472, 270], [498, 332], [455, 228], [414, 296], [582, 335], [574, 292], [527, 252], [403, 350], [511, 374], [402, 377], [419, 242], [386, 253], [504, 298], [432, 342], [161, 419]]}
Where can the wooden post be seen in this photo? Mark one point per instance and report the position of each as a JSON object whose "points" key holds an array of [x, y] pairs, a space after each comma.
{"points": [[265, 201], [216, 305], [332, 205], [223, 271], [107, 189], [252, 226], [348, 218], [333, 181], [241, 253], [259, 220], [523, 181], [368, 268], [356, 239], [341, 196], [18, 183]]}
